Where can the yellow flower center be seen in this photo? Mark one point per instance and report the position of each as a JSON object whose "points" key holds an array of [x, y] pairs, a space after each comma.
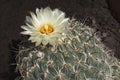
{"points": [[46, 29]]}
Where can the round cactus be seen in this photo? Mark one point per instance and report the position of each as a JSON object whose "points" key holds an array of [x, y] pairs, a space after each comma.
{"points": [[80, 56]]}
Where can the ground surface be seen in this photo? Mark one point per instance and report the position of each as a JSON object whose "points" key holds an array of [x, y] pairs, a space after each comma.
{"points": [[13, 12]]}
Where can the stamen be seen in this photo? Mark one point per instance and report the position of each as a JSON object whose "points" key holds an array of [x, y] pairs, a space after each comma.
{"points": [[46, 29]]}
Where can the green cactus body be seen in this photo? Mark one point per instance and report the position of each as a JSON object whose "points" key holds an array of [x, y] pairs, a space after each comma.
{"points": [[80, 56]]}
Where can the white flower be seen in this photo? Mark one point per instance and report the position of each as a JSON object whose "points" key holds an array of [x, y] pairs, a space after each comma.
{"points": [[46, 26]]}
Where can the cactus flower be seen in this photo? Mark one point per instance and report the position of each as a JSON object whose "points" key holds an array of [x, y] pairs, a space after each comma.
{"points": [[46, 26]]}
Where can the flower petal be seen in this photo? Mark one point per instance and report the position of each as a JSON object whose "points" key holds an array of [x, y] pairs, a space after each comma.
{"points": [[26, 32]]}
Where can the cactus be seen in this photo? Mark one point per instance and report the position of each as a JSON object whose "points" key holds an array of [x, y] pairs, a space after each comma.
{"points": [[65, 49], [80, 56]]}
